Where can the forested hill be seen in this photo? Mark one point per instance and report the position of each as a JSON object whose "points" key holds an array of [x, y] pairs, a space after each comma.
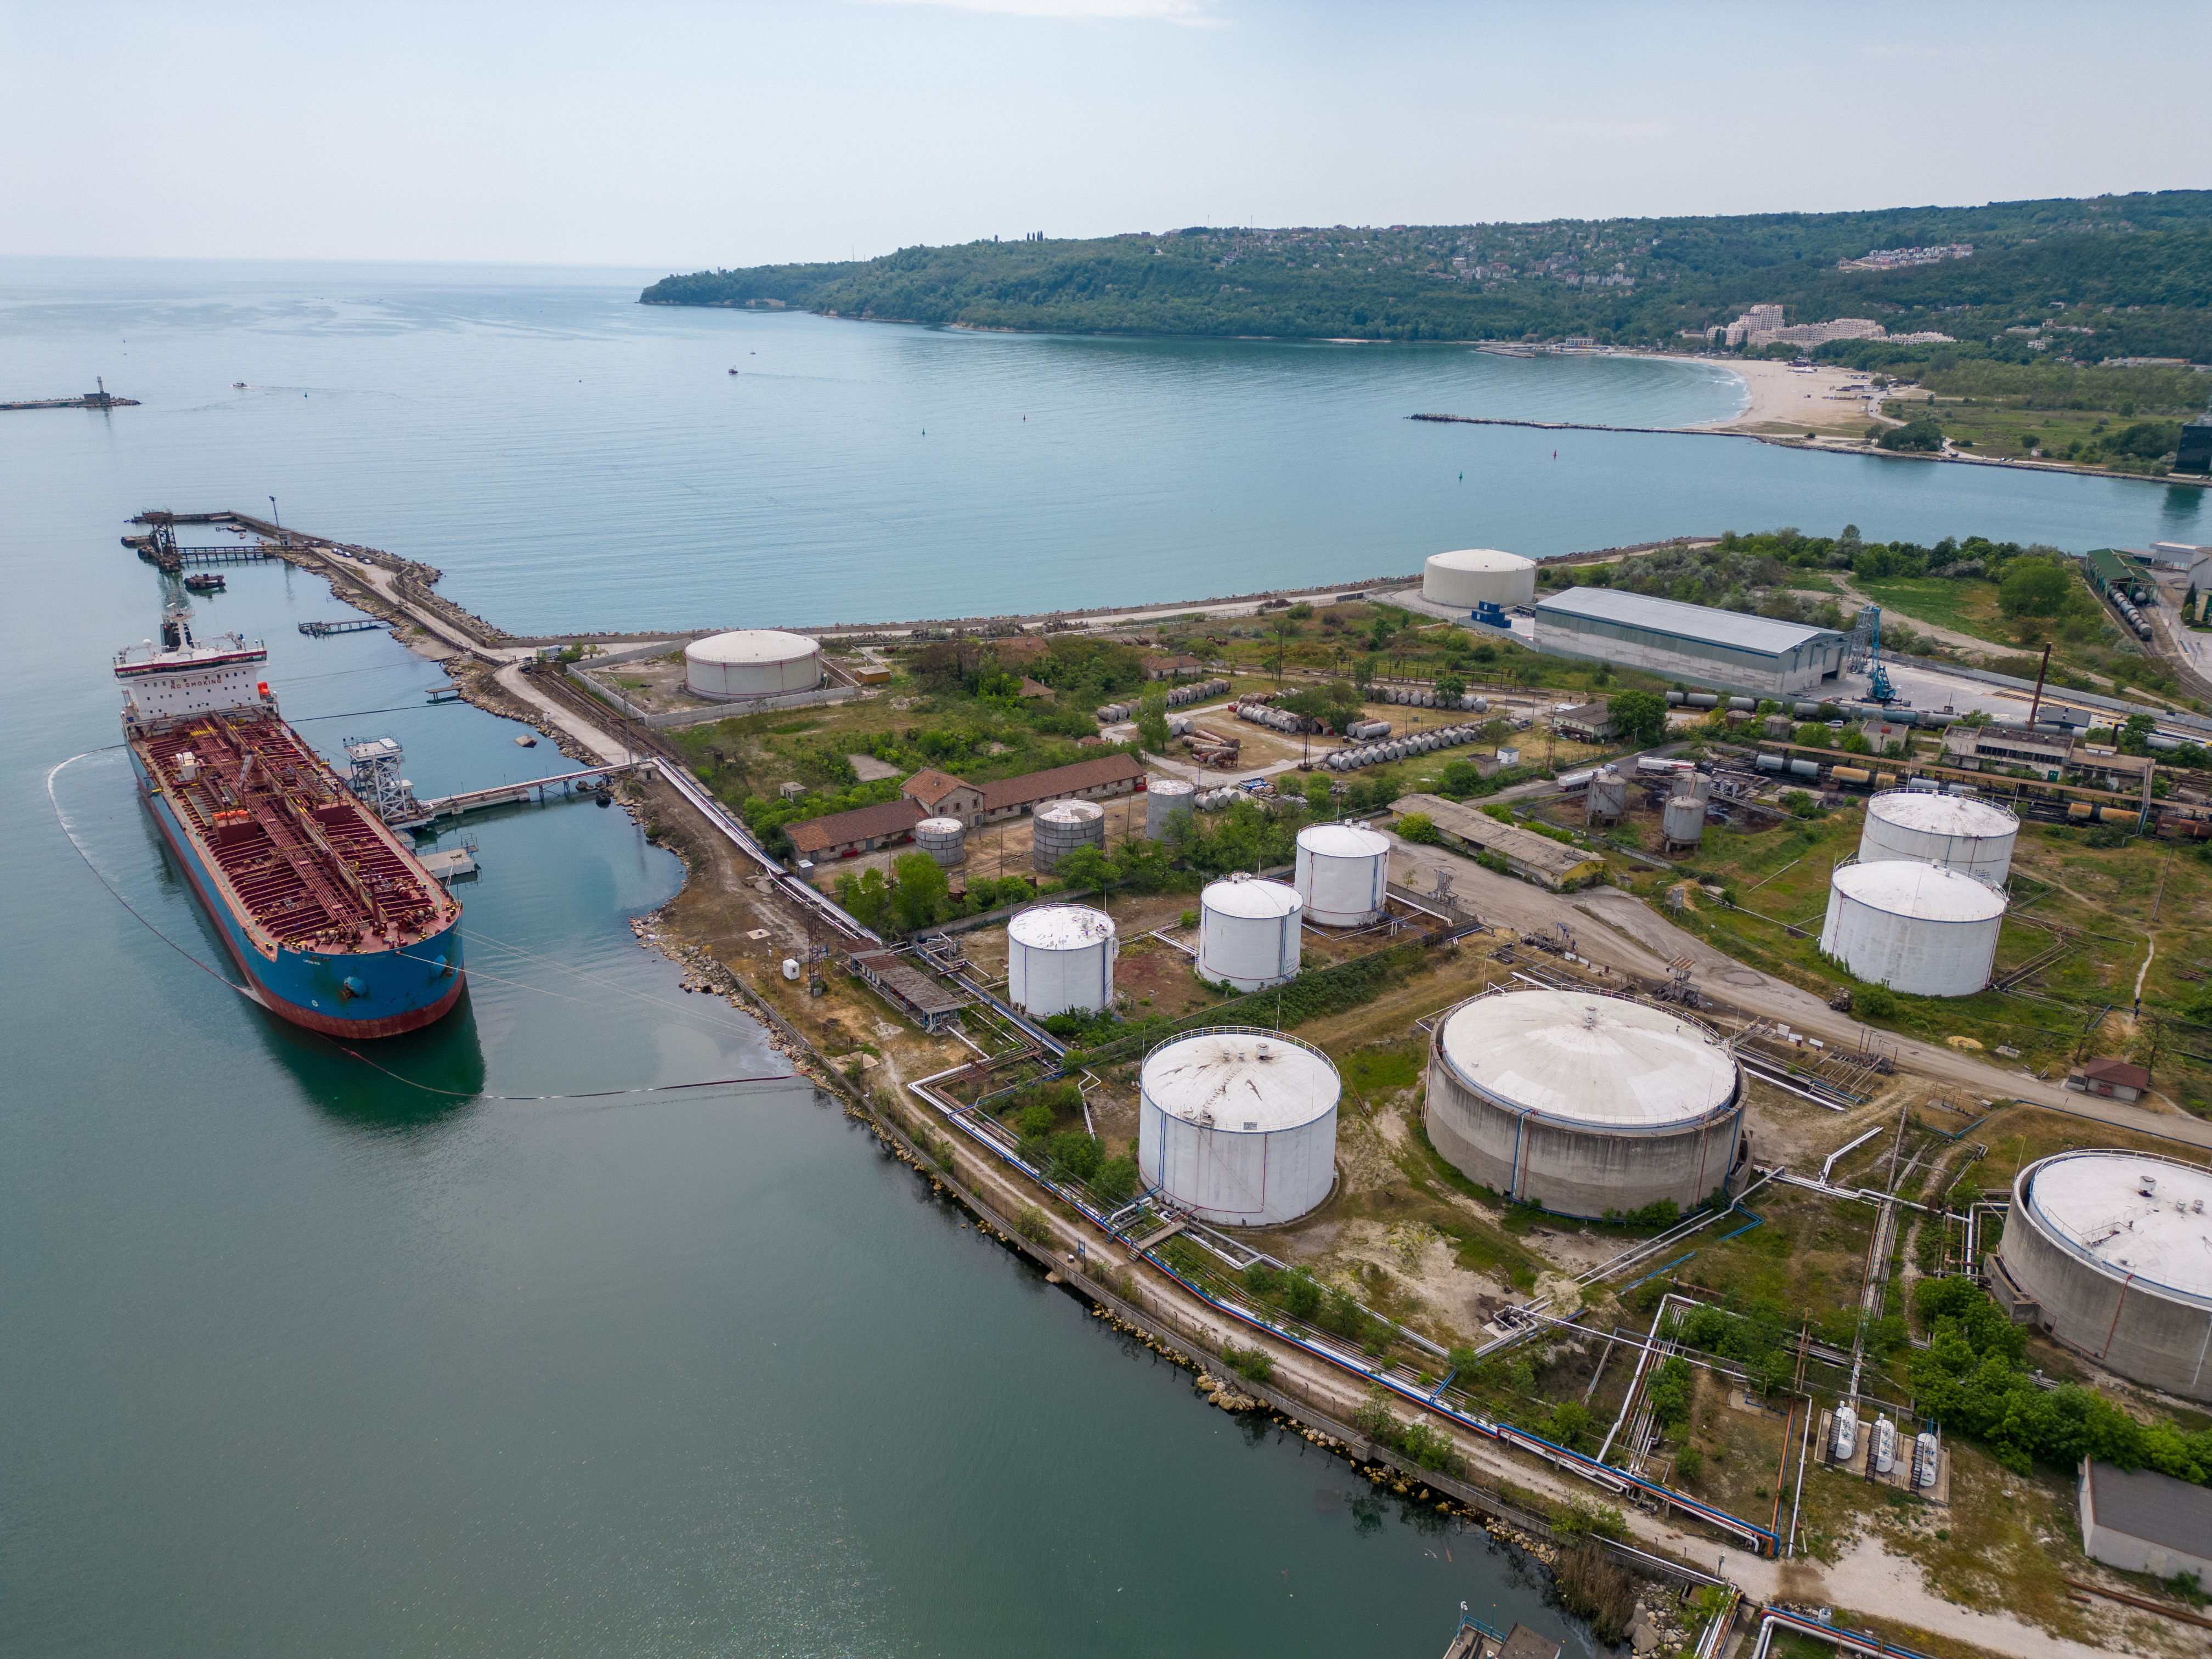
{"points": [[2110, 276]]}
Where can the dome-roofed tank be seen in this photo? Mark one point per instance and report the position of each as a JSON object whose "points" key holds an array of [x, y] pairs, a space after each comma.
{"points": [[1238, 1126], [1060, 956], [1477, 575], [1249, 934], [1919, 928], [1584, 1102], [1341, 872], [1961, 832], [2110, 1252], [751, 662]]}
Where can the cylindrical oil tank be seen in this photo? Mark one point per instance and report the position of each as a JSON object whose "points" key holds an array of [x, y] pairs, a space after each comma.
{"points": [[1702, 700], [2110, 1247], [2079, 810], [1238, 1126], [1608, 800], [1974, 835], [943, 838], [1164, 798], [1768, 763], [1919, 928], [1883, 1453], [1057, 830], [1341, 872], [1584, 1102], [1479, 576], [1697, 786], [1682, 821], [2127, 815], [1059, 956], [751, 662], [1249, 934]]}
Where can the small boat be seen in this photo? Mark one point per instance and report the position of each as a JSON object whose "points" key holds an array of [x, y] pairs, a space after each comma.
{"points": [[733, 371], [205, 581], [238, 386]]}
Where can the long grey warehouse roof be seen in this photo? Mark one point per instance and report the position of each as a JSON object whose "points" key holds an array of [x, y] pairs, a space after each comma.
{"points": [[1761, 635]]}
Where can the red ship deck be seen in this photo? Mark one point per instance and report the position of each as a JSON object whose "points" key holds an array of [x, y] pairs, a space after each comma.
{"points": [[314, 866]]}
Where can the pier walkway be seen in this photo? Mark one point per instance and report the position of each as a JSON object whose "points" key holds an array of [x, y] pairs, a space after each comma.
{"points": [[506, 794]]}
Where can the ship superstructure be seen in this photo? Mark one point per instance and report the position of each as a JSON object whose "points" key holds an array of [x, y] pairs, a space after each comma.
{"points": [[334, 921]]}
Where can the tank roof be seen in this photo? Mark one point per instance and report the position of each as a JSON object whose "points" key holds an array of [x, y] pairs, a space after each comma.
{"points": [[2094, 1201], [1170, 787], [745, 645], [1481, 558], [1588, 1059], [1943, 815], [1925, 892], [1343, 841], [940, 826], [1264, 901], [1070, 811], [1244, 1081], [1060, 927]]}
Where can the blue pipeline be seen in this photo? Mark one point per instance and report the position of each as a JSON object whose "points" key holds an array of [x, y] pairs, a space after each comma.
{"points": [[1764, 1541], [1757, 1220], [1656, 1272]]}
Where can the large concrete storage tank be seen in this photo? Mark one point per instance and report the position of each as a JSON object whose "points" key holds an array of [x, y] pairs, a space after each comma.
{"points": [[1059, 956], [2113, 1250], [1682, 822], [1479, 576], [1238, 1126], [752, 662], [1164, 798], [1584, 1102], [1249, 934], [1057, 830], [1956, 832], [1919, 928], [1341, 871]]}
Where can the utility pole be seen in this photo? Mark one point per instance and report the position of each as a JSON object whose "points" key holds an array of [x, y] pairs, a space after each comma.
{"points": [[2036, 703], [283, 540]]}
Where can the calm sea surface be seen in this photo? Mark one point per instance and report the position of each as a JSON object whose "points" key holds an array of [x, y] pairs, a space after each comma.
{"points": [[308, 1355]]}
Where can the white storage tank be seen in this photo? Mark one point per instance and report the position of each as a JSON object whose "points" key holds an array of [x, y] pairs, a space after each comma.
{"points": [[1249, 934], [2109, 1251], [1164, 798], [1057, 830], [1960, 832], [1844, 1438], [1238, 1126], [943, 838], [1479, 576], [1342, 870], [751, 662], [1584, 1102], [1919, 928], [1059, 956]]}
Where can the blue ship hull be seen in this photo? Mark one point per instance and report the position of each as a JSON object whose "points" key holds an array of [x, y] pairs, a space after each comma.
{"points": [[359, 993]]}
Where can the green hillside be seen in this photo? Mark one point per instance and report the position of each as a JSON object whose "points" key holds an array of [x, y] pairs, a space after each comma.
{"points": [[2114, 277]]}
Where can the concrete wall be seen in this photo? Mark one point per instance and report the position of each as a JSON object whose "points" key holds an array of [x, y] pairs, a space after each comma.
{"points": [[2139, 1333], [1574, 1170]]}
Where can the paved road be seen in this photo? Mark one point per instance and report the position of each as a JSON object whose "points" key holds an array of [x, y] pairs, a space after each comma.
{"points": [[1623, 932]]}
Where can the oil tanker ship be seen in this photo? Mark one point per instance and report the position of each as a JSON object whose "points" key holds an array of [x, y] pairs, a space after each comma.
{"points": [[333, 920]]}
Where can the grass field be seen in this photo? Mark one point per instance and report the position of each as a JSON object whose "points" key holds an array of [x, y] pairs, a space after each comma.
{"points": [[1988, 429], [1967, 607]]}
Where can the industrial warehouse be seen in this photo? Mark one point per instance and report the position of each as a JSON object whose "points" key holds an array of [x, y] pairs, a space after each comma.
{"points": [[1691, 643]]}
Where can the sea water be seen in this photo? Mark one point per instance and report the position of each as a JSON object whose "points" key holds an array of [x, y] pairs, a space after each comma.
{"points": [[440, 1346]]}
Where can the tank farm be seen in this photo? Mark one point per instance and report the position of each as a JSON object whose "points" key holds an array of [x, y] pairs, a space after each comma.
{"points": [[1104, 1082]]}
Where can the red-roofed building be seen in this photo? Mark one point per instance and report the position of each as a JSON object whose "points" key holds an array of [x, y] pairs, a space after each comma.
{"points": [[2114, 1078]]}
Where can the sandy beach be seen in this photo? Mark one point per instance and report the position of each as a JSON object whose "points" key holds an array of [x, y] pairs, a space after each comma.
{"points": [[1780, 398]]}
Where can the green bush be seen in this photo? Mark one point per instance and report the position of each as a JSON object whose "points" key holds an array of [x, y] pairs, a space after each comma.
{"points": [[1874, 1002], [1419, 827], [1033, 1225], [1255, 1362]]}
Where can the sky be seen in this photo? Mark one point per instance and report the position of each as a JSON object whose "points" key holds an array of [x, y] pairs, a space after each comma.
{"points": [[672, 136]]}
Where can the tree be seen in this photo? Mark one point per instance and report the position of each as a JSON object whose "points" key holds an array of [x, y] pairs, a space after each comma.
{"points": [[1316, 793], [866, 898], [1922, 436], [2034, 588], [1152, 722], [1449, 689], [1418, 827], [1639, 716], [921, 890]]}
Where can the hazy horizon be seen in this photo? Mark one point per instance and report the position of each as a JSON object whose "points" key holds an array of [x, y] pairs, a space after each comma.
{"points": [[675, 137]]}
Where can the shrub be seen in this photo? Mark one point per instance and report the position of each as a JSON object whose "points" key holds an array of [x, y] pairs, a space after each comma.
{"points": [[1033, 1225], [1591, 1585], [1116, 1180], [1255, 1362], [1689, 1464], [1874, 1002], [1418, 827]]}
